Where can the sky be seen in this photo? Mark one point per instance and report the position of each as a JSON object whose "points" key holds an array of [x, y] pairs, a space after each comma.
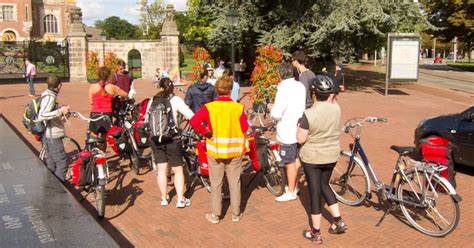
{"points": [[93, 10]]}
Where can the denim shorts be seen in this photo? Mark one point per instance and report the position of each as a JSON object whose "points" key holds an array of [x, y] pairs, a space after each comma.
{"points": [[289, 152]]}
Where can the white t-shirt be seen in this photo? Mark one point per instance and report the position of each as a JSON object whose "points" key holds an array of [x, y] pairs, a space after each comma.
{"points": [[288, 109]]}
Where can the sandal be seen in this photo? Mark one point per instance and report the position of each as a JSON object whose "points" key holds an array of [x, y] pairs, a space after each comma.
{"points": [[314, 237]]}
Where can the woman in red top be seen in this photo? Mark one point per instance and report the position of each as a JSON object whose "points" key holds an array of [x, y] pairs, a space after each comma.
{"points": [[100, 96]]}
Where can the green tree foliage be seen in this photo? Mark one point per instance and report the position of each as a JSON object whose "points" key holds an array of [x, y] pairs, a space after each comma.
{"points": [[454, 18], [116, 28], [151, 19], [324, 28]]}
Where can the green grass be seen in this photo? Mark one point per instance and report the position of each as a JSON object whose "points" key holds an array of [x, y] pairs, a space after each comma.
{"points": [[189, 62], [462, 65]]}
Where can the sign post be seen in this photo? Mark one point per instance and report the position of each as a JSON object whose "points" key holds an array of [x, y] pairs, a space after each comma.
{"points": [[403, 58]]}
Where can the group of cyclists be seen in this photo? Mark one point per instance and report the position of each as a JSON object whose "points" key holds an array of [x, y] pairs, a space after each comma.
{"points": [[305, 109]]}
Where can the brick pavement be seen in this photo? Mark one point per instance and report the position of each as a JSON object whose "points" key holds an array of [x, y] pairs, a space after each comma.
{"points": [[135, 218]]}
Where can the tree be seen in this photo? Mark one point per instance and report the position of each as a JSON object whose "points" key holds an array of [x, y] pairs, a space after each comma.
{"points": [[335, 29], [454, 18], [116, 28], [151, 19]]}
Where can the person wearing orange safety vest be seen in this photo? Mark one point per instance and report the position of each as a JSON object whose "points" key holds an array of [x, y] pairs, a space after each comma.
{"points": [[223, 122]]}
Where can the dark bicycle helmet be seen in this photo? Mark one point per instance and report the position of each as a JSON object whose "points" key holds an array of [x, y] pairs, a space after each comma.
{"points": [[322, 85]]}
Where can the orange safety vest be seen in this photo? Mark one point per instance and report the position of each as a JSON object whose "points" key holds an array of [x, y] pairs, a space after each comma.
{"points": [[228, 140]]}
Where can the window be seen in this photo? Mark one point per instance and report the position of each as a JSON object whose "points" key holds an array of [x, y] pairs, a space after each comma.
{"points": [[7, 12], [50, 24], [26, 13]]}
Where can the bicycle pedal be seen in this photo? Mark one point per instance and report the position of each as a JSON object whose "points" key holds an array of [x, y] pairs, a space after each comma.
{"points": [[369, 196]]}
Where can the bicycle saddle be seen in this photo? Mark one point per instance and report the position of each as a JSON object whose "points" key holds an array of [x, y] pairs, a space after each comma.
{"points": [[403, 150], [90, 141]]}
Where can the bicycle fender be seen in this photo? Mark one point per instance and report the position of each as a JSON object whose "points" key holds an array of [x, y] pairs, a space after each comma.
{"points": [[457, 198]]}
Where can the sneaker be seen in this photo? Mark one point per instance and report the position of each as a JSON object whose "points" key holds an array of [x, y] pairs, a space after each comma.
{"points": [[297, 189], [165, 201], [237, 218], [185, 202], [314, 237], [338, 228], [287, 196], [214, 219]]}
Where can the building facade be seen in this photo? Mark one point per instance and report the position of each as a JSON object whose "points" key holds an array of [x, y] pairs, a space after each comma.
{"points": [[46, 20]]}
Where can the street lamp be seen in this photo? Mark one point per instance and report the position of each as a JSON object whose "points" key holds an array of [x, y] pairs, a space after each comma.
{"points": [[233, 18]]}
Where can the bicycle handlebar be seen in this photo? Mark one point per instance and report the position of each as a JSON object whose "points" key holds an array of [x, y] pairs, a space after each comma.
{"points": [[78, 114], [349, 124]]}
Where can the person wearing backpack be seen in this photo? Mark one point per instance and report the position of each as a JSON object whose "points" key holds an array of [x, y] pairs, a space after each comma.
{"points": [[223, 122], [56, 159], [200, 93], [165, 143], [100, 96]]}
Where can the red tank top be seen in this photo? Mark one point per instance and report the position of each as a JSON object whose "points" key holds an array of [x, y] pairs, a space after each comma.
{"points": [[101, 103]]}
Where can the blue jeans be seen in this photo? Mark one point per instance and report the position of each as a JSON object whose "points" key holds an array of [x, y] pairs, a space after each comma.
{"points": [[30, 79]]}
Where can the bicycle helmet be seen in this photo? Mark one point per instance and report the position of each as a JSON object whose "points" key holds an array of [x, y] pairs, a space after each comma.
{"points": [[322, 85]]}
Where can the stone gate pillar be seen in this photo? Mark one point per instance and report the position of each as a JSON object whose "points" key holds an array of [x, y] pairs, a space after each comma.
{"points": [[77, 40], [170, 38]]}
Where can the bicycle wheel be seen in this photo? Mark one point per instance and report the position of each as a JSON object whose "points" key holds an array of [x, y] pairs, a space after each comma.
{"points": [[274, 176], [99, 194], [349, 182], [427, 205], [72, 149], [206, 182]]}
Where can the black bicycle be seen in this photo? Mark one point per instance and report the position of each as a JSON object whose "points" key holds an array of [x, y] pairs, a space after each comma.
{"points": [[427, 200]]}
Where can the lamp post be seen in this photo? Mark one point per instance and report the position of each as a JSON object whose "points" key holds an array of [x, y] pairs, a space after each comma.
{"points": [[233, 18]]}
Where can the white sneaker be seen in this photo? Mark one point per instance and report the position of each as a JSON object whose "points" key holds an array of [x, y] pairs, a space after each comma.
{"points": [[165, 201], [297, 189], [185, 202], [287, 196]]}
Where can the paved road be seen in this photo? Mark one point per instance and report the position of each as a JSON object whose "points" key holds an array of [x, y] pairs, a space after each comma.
{"points": [[447, 77], [134, 216]]}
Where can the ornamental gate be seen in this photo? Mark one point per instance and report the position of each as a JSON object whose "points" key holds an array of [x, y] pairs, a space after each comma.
{"points": [[50, 58]]}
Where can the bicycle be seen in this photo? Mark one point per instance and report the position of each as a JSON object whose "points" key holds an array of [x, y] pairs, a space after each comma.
{"points": [[428, 201], [126, 121], [263, 157], [99, 168], [71, 148]]}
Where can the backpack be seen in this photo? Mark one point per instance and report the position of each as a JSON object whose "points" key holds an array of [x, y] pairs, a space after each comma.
{"points": [[160, 120], [30, 117]]}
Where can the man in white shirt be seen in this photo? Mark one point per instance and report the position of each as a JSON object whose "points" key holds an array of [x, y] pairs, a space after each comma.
{"points": [[287, 110]]}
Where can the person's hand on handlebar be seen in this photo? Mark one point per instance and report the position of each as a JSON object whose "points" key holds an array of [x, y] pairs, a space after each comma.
{"points": [[64, 109]]}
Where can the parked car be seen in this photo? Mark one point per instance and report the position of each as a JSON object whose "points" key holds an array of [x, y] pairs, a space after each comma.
{"points": [[438, 60], [458, 129], [451, 56]]}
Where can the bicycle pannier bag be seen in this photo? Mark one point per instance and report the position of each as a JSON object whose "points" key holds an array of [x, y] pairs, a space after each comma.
{"points": [[141, 134], [439, 150], [202, 156], [81, 171], [117, 140], [160, 120], [30, 117]]}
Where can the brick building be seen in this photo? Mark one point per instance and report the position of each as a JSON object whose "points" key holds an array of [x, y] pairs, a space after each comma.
{"points": [[35, 19]]}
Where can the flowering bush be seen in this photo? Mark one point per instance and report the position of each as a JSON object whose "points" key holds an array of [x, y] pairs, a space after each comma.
{"points": [[92, 65], [111, 62], [202, 56], [265, 76]]}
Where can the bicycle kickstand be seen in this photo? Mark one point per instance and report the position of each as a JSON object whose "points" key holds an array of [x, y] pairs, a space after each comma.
{"points": [[191, 185], [383, 216]]}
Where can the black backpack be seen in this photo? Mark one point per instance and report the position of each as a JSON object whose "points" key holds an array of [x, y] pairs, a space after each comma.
{"points": [[30, 117], [160, 120]]}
